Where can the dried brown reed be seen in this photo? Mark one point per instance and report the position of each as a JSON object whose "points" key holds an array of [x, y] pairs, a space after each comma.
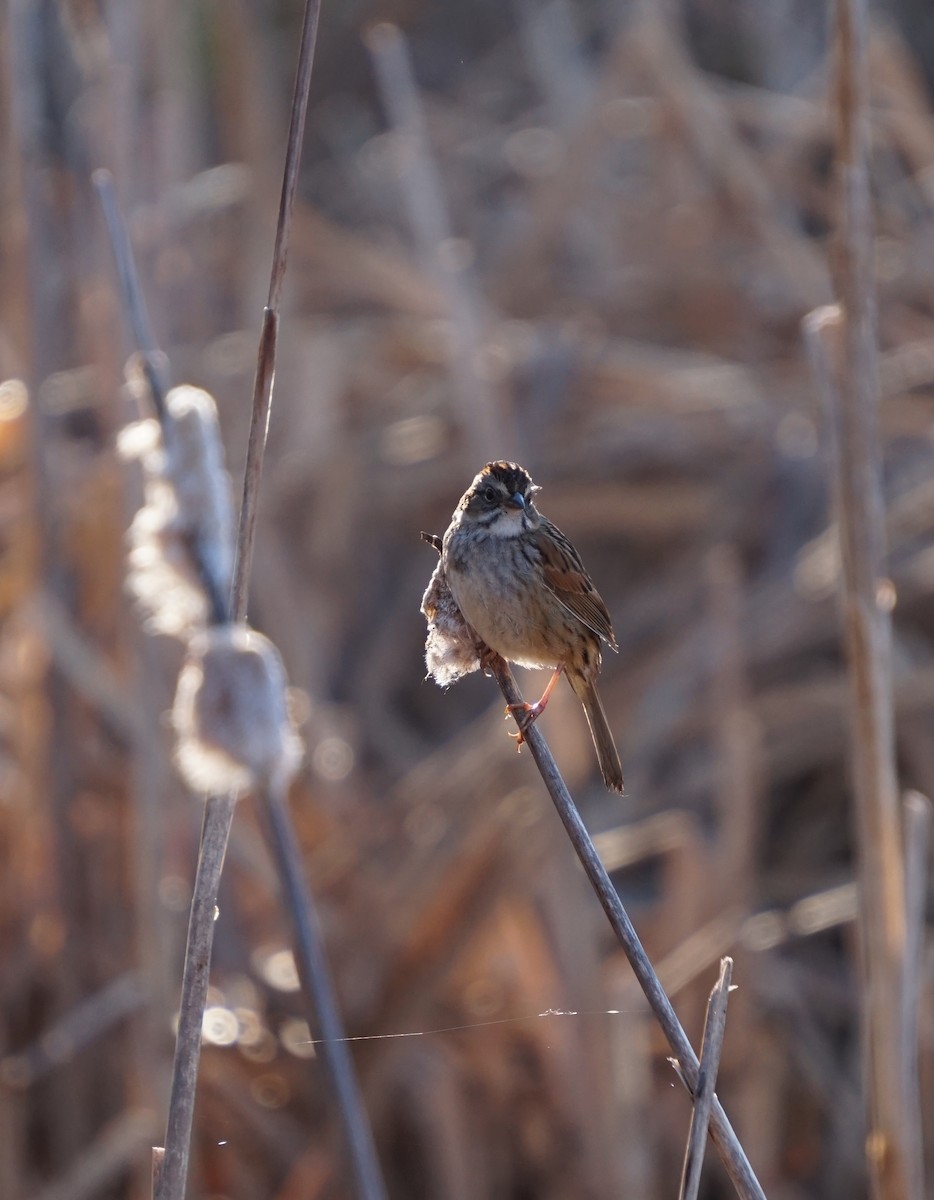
{"points": [[639, 215]]}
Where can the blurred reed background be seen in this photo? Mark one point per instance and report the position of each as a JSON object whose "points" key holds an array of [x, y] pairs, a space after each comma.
{"points": [[586, 241]]}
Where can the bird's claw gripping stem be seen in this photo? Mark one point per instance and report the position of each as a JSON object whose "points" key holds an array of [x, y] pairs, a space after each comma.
{"points": [[525, 715]]}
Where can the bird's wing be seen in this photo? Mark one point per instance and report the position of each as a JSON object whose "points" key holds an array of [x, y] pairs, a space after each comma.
{"points": [[565, 576]]}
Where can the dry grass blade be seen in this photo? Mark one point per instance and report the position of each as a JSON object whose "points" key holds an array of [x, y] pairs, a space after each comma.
{"points": [[266, 357], [731, 1152], [712, 1044]]}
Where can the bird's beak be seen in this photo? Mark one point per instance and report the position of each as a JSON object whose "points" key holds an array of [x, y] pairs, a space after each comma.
{"points": [[517, 500]]}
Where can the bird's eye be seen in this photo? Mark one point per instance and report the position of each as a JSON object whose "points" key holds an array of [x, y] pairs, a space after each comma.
{"points": [[489, 494]]}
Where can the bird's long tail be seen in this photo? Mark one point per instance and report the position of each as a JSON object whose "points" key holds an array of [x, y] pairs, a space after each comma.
{"points": [[607, 755]]}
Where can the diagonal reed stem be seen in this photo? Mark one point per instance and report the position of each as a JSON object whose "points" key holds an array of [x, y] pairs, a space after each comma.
{"points": [[323, 1012], [731, 1152], [155, 365]]}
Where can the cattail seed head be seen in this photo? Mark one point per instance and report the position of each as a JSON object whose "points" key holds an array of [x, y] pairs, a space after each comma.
{"points": [[450, 650], [195, 466], [230, 716], [181, 540]]}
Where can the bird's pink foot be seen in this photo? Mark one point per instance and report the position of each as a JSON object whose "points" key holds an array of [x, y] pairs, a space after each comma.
{"points": [[525, 715]]}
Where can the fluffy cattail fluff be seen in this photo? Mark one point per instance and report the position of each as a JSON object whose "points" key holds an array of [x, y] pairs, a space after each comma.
{"points": [[202, 485], [450, 651], [181, 540], [230, 716]]}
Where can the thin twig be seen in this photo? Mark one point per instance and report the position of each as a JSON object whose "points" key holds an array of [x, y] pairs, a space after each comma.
{"points": [[158, 1162], [215, 832], [324, 1015], [731, 1152], [918, 818], [266, 358], [711, 1045], [155, 364]]}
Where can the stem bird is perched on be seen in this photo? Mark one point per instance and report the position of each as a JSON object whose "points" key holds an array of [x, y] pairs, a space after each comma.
{"points": [[521, 587]]}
